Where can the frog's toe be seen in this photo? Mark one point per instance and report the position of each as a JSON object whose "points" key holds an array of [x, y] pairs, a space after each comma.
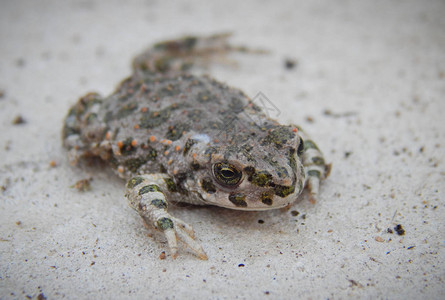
{"points": [[175, 229], [170, 234], [186, 227]]}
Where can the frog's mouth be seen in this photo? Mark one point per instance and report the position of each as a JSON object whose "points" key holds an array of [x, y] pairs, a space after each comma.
{"points": [[259, 202]]}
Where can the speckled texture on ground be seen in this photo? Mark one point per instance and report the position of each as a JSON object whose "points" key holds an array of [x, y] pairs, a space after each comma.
{"points": [[368, 85]]}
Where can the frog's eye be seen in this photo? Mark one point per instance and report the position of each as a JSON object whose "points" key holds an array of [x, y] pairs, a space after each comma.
{"points": [[300, 149], [226, 174]]}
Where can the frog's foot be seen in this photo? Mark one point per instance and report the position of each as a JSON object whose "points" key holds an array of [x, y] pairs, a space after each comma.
{"points": [[314, 165], [175, 229], [181, 54], [146, 197]]}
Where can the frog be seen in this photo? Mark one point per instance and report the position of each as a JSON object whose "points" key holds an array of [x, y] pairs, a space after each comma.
{"points": [[179, 137]]}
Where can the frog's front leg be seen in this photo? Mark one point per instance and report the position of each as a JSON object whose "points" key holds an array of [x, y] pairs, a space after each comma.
{"points": [[144, 194], [315, 166]]}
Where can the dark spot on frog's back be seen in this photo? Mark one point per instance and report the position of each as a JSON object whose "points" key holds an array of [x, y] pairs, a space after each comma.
{"points": [[176, 131], [133, 164], [208, 186], [151, 188], [279, 137], [267, 198], [134, 182], [261, 178], [238, 199], [188, 145], [249, 170], [284, 191]]}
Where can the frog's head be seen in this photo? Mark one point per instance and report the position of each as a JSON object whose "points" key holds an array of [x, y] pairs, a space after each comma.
{"points": [[256, 173]]}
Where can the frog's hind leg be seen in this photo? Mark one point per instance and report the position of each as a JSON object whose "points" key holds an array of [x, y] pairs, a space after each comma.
{"points": [[314, 164], [145, 195], [181, 54]]}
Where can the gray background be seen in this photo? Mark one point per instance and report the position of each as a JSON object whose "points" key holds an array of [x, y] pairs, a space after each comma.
{"points": [[369, 87]]}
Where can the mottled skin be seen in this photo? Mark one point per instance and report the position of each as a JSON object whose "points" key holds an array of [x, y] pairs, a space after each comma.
{"points": [[179, 137]]}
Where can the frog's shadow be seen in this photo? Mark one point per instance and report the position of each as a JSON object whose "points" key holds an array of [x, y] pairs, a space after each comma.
{"points": [[273, 220]]}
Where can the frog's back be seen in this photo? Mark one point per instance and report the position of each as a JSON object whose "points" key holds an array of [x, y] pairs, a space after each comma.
{"points": [[146, 123]]}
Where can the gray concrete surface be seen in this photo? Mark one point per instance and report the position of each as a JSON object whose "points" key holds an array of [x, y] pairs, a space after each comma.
{"points": [[369, 87]]}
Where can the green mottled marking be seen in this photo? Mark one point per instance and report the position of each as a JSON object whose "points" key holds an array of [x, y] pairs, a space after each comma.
{"points": [[249, 171], [134, 182], [238, 199], [133, 164], [159, 203], [279, 136], [267, 198], [314, 173], [188, 145], [310, 145], [176, 188], [261, 178], [171, 185], [151, 188], [164, 224], [284, 191], [208, 186], [319, 161], [176, 131]]}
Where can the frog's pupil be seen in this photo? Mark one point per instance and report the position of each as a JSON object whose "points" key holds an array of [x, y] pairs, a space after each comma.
{"points": [[227, 173]]}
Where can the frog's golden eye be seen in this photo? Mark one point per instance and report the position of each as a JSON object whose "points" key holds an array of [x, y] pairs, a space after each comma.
{"points": [[226, 174]]}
